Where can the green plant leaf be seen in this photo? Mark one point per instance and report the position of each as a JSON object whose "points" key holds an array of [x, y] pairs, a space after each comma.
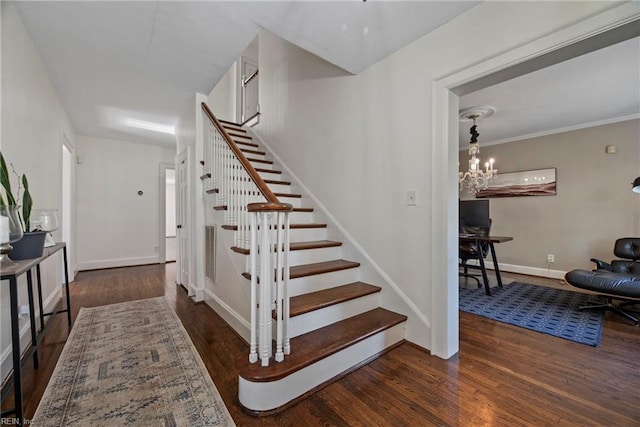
{"points": [[27, 203], [6, 182]]}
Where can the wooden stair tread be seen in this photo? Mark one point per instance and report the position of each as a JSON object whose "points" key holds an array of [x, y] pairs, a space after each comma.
{"points": [[224, 208], [268, 162], [258, 152], [319, 344], [291, 226], [247, 143], [228, 122], [297, 246], [304, 270], [234, 135], [268, 170], [306, 303], [295, 196], [275, 181]]}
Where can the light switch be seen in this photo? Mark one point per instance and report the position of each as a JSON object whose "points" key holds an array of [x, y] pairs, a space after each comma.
{"points": [[411, 198]]}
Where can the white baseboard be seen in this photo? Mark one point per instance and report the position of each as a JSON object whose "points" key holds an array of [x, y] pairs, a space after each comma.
{"points": [[121, 262], [197, 293], [232, 317], [6, 362], [531, 271]]}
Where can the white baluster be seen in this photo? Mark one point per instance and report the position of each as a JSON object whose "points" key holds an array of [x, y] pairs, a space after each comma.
{"points": [[285, 291], [253, 271], [279, 259], [266, 278]]}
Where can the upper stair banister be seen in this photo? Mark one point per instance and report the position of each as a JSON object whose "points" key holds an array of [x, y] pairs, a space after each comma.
{"points": [[262, 223]]}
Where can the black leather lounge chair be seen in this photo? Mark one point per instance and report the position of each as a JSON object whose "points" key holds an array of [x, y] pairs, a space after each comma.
{"points": [[617, 280]]}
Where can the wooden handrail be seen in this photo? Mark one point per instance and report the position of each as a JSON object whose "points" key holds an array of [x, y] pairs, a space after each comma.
{"points": [[272, 203]]}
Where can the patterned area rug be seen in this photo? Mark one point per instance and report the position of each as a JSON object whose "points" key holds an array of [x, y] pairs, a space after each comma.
{"points": [[130, 364], [547, 310]]}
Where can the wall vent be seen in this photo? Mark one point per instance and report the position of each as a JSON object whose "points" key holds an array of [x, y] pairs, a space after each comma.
{"points": [[210, 251]]}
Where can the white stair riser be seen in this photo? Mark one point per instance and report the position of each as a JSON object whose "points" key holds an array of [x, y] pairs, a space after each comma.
{"points": [[316, 319], [307, 234], [304, 234], [301, 217], [309, 256], [252, 155], [318, 282], [263, 396], [261, 165], [270, 175], [279, 188], [296, 202]]}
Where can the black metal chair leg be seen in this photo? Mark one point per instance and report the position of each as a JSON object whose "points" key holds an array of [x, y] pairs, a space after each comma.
{"points": [[610, 306]]}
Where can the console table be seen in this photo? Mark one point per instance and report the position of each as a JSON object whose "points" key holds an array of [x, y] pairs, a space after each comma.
{"points": [[11, 272], [490, 240]]}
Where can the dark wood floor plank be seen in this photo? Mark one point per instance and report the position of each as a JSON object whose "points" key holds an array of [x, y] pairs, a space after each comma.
{"points": [[502, 376]]}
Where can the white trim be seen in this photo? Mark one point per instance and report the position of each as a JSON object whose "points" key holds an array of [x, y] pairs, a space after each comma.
{"points": [[162, 230], [443, 275], [240, 325], [119, 262], [267, 395], [530, 271], [556, 131]]}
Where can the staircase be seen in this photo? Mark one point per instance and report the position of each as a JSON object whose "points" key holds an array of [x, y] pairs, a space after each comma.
{"points": [[336, 321]]}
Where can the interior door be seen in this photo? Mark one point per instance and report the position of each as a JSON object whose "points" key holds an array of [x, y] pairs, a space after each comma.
{"points": [[250, 88], [182, 219]]}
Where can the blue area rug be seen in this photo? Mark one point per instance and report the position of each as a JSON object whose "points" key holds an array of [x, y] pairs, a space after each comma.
{"points": [[547, 310]]}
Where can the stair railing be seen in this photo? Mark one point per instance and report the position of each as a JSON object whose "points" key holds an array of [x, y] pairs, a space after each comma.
{"points": [[262, 226]]}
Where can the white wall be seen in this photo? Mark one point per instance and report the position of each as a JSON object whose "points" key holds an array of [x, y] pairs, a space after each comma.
{"points": [[223, 98], [33, 122], [360, 142], [116, 226]]}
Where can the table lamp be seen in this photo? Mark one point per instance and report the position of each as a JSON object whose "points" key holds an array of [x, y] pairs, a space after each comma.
{"points": [[46, 220]]}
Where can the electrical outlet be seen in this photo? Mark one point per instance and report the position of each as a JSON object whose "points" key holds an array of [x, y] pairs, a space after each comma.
{"points": [[551, 258], [23, 310], [411, 198]]}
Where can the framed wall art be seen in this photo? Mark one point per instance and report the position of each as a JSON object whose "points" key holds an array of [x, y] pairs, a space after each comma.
{"points": [[539, 182]]}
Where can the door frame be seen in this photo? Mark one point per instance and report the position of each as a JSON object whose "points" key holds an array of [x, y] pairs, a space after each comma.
{"points": [[162, 241], [444, 159], [241, 92], [67, 211]]}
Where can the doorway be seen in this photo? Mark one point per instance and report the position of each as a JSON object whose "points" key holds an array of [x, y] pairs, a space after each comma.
{"points": [[66, 205], [539, 53], [170, 215], [249, 101]]}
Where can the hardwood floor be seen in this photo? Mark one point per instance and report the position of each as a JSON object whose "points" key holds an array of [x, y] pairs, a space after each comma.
{"points": [[502, 376]]}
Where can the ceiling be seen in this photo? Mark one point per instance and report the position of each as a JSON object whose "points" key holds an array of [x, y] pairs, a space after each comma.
{"points": [[114, 62], [599, 87], [118, 64]]}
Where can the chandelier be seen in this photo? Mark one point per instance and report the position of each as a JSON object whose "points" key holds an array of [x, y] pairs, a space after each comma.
{"points": [[476, 179]]}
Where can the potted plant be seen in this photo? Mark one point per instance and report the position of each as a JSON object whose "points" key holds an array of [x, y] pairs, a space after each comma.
{"points": [[32, 242]]}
